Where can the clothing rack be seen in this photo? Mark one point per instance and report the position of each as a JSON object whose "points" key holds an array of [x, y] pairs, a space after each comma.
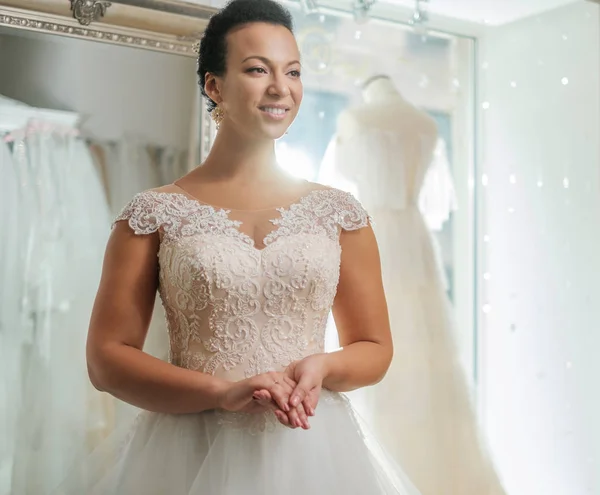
{"points": [[15, 116]]}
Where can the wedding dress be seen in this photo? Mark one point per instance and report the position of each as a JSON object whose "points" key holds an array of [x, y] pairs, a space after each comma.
{"points": [[244, 292], [50, 268], [422, 410]]}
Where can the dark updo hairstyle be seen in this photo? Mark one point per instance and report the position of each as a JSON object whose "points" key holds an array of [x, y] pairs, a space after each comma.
{"points": [[213, 45]]}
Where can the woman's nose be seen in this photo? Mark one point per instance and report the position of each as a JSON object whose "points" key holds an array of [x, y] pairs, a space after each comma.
{"points": [[279, 87]]}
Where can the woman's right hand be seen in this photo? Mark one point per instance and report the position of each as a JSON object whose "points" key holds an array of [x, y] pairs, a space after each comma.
{"points": [[267, 391]]}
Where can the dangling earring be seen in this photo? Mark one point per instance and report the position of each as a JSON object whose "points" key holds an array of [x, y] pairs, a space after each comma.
{"points": [[218, 115]]}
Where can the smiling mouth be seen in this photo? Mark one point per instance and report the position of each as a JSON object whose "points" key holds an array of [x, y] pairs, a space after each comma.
{"points": [[274, 112]]}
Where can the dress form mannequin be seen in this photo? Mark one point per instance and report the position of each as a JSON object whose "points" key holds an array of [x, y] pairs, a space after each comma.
{"points": [[386, 108], [421, 411]]}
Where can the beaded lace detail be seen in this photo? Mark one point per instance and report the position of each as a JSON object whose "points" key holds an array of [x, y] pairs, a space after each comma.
{"points": [[234, 310]]}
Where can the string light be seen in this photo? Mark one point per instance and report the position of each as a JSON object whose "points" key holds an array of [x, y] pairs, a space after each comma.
{"points": [[566, 183], [512, 179], [513, 84], [357, 35], [484, 180], [565, 81]]}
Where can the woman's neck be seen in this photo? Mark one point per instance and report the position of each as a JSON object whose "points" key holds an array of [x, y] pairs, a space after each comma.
{"points": [[237, 158]]}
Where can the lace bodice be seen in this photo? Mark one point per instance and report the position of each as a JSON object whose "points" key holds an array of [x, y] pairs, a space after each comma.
{"points": [[233, 309]]}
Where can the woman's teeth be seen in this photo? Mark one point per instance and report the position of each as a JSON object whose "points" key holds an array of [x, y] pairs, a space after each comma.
{"points": [[274, 111]]}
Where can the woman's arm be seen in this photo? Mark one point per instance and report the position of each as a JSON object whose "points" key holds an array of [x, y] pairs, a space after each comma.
{"points": [[119, 324], [361, 317]]}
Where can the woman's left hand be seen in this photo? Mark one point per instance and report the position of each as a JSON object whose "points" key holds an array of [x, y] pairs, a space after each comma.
{"points": [[310, 373]]}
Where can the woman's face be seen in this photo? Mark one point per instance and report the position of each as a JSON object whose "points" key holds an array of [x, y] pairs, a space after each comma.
{"points": [[261, 91]]}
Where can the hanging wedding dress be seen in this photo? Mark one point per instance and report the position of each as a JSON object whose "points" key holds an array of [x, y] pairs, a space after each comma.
{"points": [[57, 248], [422, 410], [10, 292]]}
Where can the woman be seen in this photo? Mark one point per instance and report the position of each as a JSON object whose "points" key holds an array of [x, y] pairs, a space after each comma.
{"points": [[248, 262]]}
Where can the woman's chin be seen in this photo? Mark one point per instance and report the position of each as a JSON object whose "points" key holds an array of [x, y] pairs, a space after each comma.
{"points": [[275, 133]]}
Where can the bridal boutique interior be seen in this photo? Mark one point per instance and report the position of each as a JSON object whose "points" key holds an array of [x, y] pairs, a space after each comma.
{"points": [[470, 131]]}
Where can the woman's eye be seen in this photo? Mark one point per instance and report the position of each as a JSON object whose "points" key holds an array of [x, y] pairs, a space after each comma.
{"points": [[295, 73], [258, 70]]}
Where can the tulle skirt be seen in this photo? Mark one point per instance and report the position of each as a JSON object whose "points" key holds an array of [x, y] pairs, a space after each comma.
{"points": [[222, 453]]}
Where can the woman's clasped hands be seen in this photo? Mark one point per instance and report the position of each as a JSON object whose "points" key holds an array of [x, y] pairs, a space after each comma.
{"points": [[292, 394]]}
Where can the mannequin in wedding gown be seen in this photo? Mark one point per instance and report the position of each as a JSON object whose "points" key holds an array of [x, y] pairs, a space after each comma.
{"points": [[422, 409]]}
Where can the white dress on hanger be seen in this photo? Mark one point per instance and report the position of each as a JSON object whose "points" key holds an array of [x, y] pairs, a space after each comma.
{"points": [[62, 234], [11, 336], [244, 293], [422, 410]]}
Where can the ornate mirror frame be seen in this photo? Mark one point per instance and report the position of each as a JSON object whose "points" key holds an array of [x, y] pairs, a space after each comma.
{"points": [[169, 26], [164, 25]]}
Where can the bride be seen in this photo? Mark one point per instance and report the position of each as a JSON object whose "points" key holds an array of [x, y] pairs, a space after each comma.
{"points": [[248, 263]]}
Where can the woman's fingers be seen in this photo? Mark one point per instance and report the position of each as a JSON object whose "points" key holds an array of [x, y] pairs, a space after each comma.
{"points": [[262, 395], [283, 418], [298, 417], [311, 400], [280, 392]]}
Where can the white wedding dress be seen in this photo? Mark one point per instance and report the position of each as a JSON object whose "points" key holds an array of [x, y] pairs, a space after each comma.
{"points": [[244, 292], [422, 410]]}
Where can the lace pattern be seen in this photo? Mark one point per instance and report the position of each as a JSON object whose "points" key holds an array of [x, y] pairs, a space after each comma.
{"points": [[233, 310]]}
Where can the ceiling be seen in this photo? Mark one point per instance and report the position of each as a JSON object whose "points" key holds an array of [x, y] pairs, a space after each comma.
{"points": [[493, 12]]}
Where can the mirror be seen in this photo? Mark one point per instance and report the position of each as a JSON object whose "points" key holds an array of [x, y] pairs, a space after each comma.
{"points": [[84, 126]]}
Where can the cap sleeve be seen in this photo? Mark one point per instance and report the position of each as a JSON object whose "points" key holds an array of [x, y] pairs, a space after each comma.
{"points": [[143, 213], [351, 213]]}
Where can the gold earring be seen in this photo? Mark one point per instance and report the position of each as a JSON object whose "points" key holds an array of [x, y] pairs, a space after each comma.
{"points": [[218, 115]]}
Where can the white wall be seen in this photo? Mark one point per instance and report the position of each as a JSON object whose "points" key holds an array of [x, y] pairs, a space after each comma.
{"points": [[120, 90], [540, 340]]}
